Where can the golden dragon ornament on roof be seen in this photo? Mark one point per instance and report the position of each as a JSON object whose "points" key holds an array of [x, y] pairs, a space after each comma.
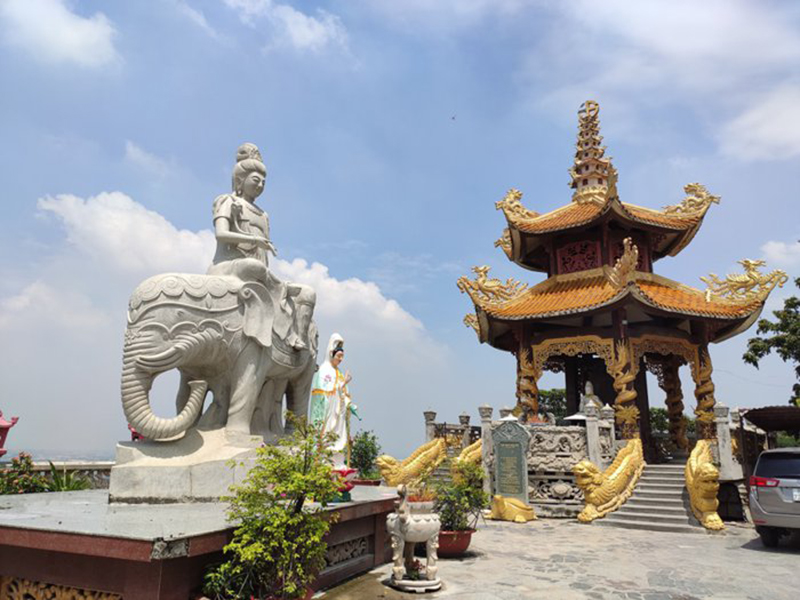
{"points": [[485, 291], [512, 207], [750, 286], [696, 203]]}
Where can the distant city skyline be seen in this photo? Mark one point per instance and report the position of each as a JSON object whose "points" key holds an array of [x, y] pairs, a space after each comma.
{"points": [[388, 129]]}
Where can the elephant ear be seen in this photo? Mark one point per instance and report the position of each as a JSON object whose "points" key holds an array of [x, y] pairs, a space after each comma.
{"points": [[259, 313]]}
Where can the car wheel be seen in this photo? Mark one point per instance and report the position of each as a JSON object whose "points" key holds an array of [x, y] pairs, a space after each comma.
{"points": [[769, 536]]}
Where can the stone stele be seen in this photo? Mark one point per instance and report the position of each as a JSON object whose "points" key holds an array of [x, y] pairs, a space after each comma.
{"points": [[237, 332]]}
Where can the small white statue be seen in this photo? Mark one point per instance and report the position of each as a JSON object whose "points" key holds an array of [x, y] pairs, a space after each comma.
{"points": [[589, 397], [330, 396]]}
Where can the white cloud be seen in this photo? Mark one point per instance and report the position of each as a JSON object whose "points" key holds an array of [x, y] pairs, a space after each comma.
{"points": [[767, 130], [291, 27], [782, 254], [145, 160], [712, 59], [40, 305], [51, 32], [197, 17], [114, 230]]}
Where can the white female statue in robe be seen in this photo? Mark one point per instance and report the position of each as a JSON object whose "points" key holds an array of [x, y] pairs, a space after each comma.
{"points": [[330, 398], [243, 244]]}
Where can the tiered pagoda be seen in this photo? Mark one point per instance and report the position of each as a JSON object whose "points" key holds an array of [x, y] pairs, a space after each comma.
{"points": [[603, 315]]}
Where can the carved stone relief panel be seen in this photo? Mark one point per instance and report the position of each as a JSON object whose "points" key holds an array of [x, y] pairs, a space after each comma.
{"points": [[15, 588], [345, 551], [556, 448]]}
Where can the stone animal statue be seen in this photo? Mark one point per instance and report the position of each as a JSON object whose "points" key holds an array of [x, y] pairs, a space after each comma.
{"points": [[407, 528], [607, 491], [702, 483], [218, 331], [421, 462], [237, 331], [511, 509]]}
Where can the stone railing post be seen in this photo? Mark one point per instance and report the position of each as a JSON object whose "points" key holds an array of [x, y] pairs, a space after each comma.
{"points": [[728, 468], [505, 411], [607, 415], [430, 429], [463, 419], [485, 412], [593, 434]]}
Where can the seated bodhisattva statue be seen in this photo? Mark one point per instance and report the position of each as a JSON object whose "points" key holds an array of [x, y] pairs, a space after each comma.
{"points": [[243, 244]]}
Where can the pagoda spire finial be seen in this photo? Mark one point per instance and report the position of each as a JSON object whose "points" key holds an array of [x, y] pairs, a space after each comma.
{"points": [[593, 176]]}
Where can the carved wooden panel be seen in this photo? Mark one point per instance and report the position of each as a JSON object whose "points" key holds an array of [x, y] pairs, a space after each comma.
{"points": [[14, 588], [578, 256]]}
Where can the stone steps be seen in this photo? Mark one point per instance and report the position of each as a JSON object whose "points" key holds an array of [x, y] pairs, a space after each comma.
{"points": [[657, 503]]}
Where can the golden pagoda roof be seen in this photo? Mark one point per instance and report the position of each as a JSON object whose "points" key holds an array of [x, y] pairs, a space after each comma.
{"points": [[576, 215], [590, 290], [735, 297]]}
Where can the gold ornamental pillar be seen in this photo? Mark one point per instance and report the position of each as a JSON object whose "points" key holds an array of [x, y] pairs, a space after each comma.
{"points": [[670, 382], [527, 382], [704, 393], [623, 372]]}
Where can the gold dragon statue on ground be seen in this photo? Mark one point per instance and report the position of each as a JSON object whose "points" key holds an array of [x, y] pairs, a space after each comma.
{"points": [[702, 482], [607, 491], [750, 286], [421, 463]]}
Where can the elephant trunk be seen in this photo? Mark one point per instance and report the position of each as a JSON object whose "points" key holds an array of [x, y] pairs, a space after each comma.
{"points": [[137, 380]]}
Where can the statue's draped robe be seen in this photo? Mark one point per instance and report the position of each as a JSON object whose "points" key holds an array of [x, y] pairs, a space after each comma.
{"points": [[330, 398]]}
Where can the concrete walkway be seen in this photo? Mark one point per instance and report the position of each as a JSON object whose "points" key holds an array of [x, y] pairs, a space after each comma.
{"points": [[557, 559]]}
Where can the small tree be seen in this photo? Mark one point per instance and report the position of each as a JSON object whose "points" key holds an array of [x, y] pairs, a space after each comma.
{"points": [[459, 503], [553, 401], [364, 451], [278, 546], [783, 337], [659, 420]]}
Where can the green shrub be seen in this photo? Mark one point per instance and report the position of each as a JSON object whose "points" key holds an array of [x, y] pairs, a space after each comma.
{"points": [[66, 481], [364, 451], [459, 503], [20, 478], [278, 546]]}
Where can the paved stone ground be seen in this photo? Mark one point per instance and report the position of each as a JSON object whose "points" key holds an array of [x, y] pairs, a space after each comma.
{"points": [[557, 559]]}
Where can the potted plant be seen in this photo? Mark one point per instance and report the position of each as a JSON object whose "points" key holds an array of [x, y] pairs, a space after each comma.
{"points": [[278, 546], [459, 504], [364, 450]]}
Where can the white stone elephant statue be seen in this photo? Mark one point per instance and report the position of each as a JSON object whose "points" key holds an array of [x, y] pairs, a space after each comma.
{"points": [[224, 335]]}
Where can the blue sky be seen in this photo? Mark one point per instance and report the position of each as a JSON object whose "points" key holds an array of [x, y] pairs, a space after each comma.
{"points": [[389, 129]]}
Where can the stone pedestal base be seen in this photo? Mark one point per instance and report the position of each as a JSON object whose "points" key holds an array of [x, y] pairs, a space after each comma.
{"points": [[192, 469], [419, 586]]}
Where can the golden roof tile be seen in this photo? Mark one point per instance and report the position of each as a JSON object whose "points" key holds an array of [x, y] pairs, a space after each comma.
{"points": [[582, 292]]}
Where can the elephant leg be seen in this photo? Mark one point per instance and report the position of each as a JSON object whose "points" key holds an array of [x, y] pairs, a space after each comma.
{"points": [[267, 421], [247, 377], [299, 392]]}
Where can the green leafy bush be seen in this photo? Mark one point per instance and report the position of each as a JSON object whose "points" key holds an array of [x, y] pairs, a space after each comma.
{"points": [[278, 546], [364, 451], [20, 478], [66, 481], [459, 503]]}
